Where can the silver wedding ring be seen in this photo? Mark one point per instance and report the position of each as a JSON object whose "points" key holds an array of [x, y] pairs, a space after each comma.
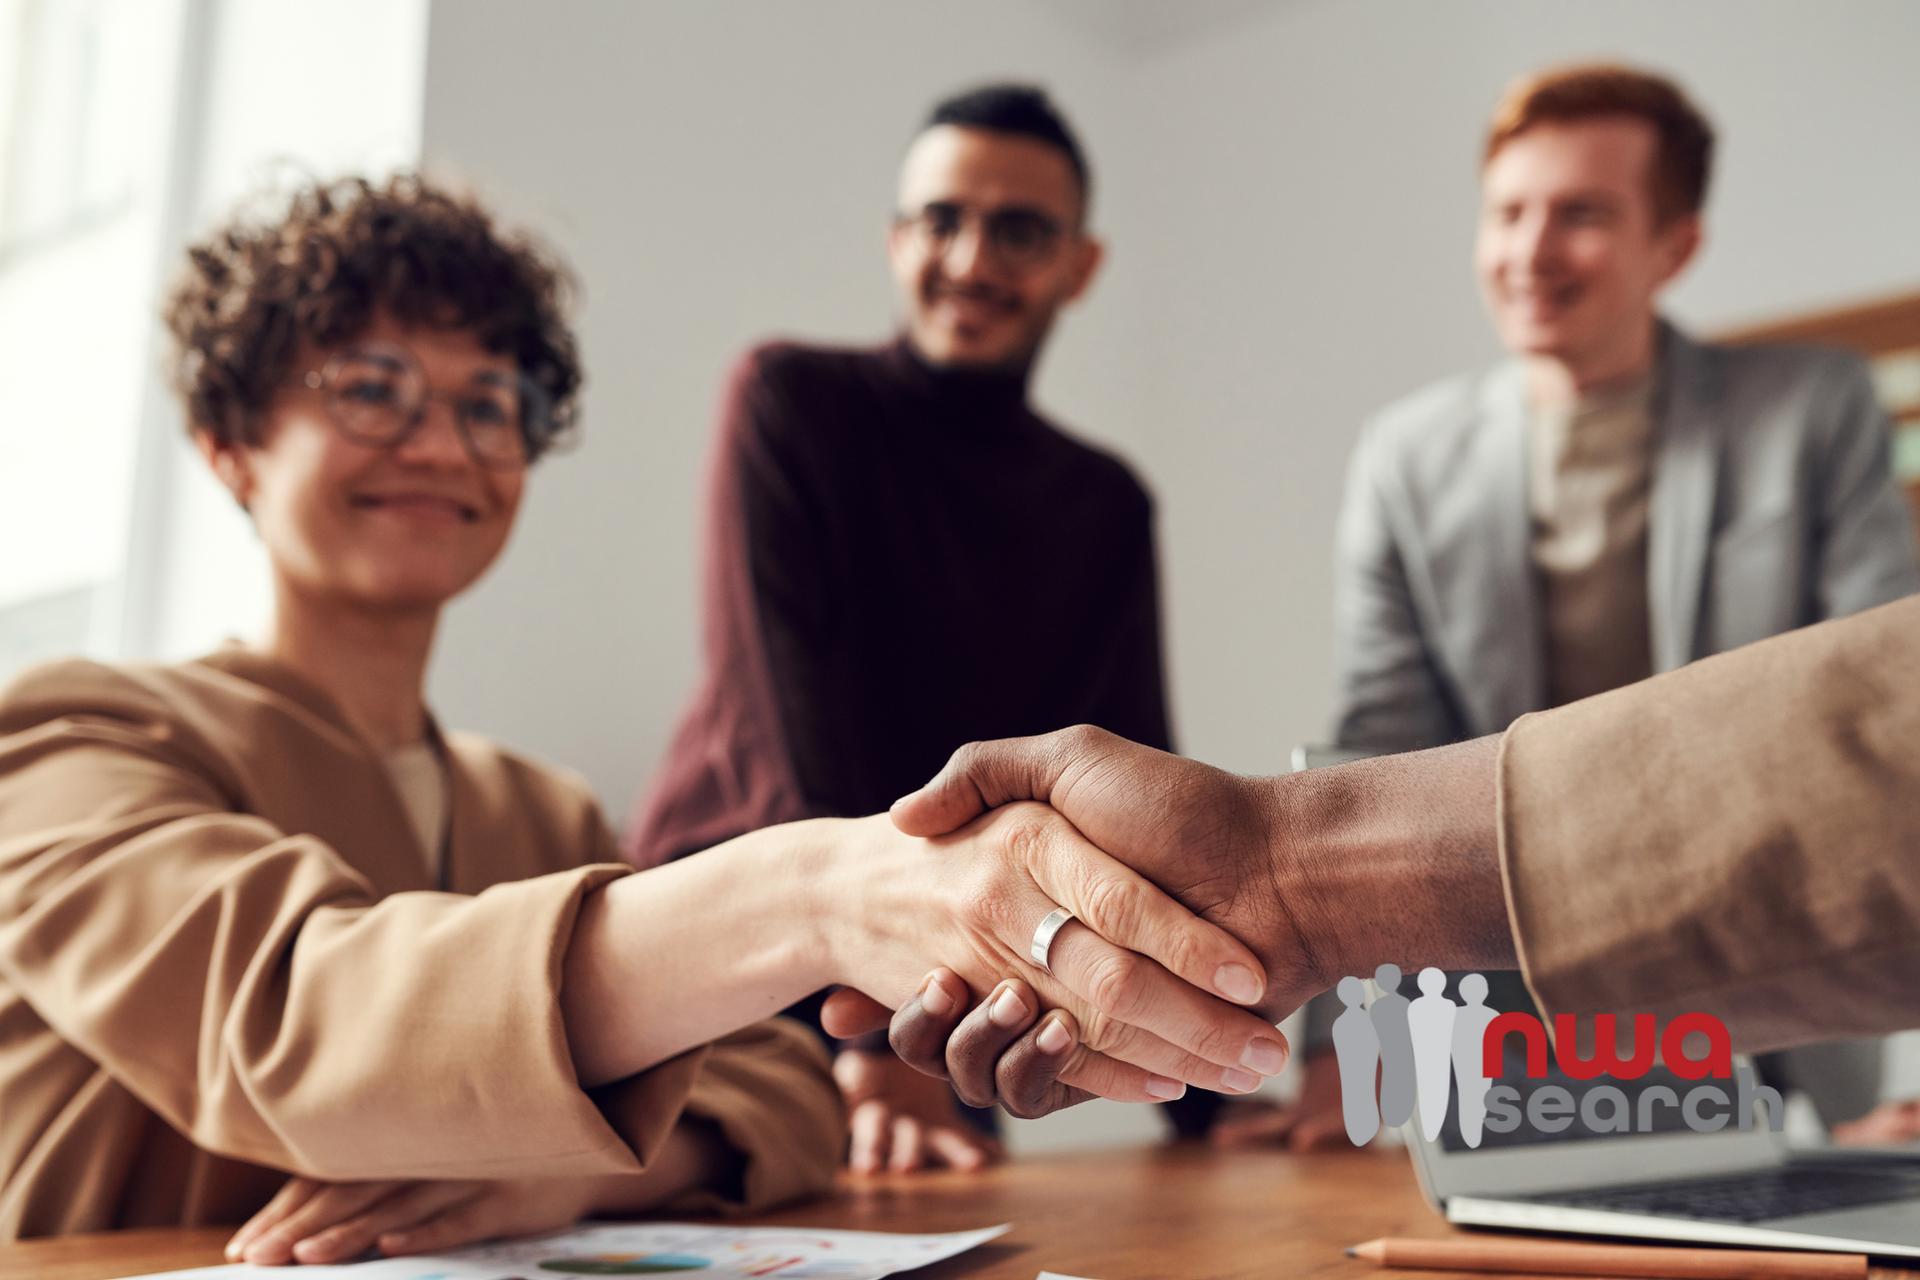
{"points": [[1043, 937]]}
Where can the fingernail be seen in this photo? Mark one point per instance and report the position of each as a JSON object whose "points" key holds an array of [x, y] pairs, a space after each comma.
{"points": [[1234, 1078], [1237, 983], [1008, 1009], [1268, 1057], [1053, 1037], [1165, 1089], [935, 1000]]}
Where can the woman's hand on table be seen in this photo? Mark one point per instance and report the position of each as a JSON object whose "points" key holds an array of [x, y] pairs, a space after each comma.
{"points": [[1312, 1122], [322, 1222], [314, 1222], [902, 1120], [1885, 1125]]}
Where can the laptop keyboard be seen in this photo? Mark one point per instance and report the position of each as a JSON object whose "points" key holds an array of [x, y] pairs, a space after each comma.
{"points": [[1750, 1197]]}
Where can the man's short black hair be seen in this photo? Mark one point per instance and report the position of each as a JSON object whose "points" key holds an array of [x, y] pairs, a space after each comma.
{"points": [[1023, 110]]}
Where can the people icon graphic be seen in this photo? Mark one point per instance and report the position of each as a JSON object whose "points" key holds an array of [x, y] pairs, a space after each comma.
{"points": [[1423, 1049], [1389, 1014], [1469, 1031], [1430, 1022], [1356, 1046], [1431, 1049]]}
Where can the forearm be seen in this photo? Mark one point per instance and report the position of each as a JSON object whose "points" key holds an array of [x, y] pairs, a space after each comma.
{"points": [[1734, 837], [677, 956], [1394, 859], [680, 955]]}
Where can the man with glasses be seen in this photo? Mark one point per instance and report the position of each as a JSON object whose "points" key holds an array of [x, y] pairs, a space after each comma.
{"points": [[903, 556]]}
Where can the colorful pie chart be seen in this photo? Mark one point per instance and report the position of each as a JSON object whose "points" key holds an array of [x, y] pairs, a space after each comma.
{"points": [[646, 1264]]}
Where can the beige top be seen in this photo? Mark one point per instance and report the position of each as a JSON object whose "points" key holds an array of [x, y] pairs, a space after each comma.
{"points": [[1590, 469], [221, 959], [1738, 836], [420, 776]]}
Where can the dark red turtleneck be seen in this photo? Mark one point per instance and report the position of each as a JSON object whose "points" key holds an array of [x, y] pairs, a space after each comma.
{"points": [[899, 559]]}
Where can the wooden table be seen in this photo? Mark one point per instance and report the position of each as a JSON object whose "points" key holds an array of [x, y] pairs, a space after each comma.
{"points": [[1178, 1213]]}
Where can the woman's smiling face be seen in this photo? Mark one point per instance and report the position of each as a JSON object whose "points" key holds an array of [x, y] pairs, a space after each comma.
{"points": [[401, 528]]}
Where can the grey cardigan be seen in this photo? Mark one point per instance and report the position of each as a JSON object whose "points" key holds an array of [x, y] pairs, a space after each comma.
{"points": [[1773, 506]]}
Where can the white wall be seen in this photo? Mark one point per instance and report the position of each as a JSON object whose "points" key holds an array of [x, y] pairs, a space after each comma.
{"points": [[274, 90], [84, 130]]}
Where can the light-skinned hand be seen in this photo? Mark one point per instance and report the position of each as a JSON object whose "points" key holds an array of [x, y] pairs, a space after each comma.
{"points": [[313, 1222], [324, 1222]]}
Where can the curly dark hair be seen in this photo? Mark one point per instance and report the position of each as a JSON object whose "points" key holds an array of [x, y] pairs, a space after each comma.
{"points": [[338, 253]]}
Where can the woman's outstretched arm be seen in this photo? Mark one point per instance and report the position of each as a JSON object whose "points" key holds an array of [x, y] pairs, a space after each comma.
{"points": [[672, 957]]}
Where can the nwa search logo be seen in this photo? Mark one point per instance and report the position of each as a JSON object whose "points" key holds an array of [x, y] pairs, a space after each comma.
{"points": [[1430, 1048]]}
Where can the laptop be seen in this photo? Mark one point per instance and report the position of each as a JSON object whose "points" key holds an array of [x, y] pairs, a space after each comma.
{"points": [[1729, 1187]]}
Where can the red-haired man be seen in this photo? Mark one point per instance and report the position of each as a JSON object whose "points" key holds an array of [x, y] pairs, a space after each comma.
{"points": [[1615, 499]]}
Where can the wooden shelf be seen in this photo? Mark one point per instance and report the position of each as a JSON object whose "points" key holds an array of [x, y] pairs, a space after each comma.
{"points": [[1887, 332], [1871, 328]]}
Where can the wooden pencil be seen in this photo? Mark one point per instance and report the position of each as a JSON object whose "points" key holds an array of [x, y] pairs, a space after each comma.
{"points": [[1559, 1257]]}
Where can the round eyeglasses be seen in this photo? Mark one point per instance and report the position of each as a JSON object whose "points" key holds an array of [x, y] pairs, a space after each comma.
{"points": [[377, 395], [1021, 238]]}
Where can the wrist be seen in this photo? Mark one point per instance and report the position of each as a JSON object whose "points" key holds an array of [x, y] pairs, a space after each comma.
{"points": [[1312, 940], [832, 895], [871, 899], [1393, 859], [810, 897]]}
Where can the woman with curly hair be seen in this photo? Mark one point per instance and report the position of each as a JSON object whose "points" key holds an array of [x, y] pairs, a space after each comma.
{"points": [[273, 942]]}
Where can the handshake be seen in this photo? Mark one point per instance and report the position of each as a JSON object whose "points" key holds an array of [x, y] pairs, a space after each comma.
{"points": [[1200, 907]]}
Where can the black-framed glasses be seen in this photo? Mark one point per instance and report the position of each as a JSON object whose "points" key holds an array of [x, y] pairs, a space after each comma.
{"points": [[377, 395], [1022, 238]]}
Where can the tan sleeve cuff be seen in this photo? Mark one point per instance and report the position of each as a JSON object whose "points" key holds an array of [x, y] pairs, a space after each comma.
{"points": [[1734, 837], [460, 1069], [770, 1090], [643, 1109]]}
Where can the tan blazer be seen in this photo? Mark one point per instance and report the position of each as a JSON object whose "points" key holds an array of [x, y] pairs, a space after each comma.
{"points": [[221, 959], [1740, 836]]}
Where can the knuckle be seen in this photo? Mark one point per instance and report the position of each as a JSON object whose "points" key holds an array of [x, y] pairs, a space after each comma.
{"points": [[920, 1054], [1212, 1042], [1036, 1091], [1082, 737], [1113, 984], [1100, 1032], [972, 1076], [1022, 1109], [974, 1093], [1027, 830], [1183, 948], [1026, 1098], [1115, 906]]}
